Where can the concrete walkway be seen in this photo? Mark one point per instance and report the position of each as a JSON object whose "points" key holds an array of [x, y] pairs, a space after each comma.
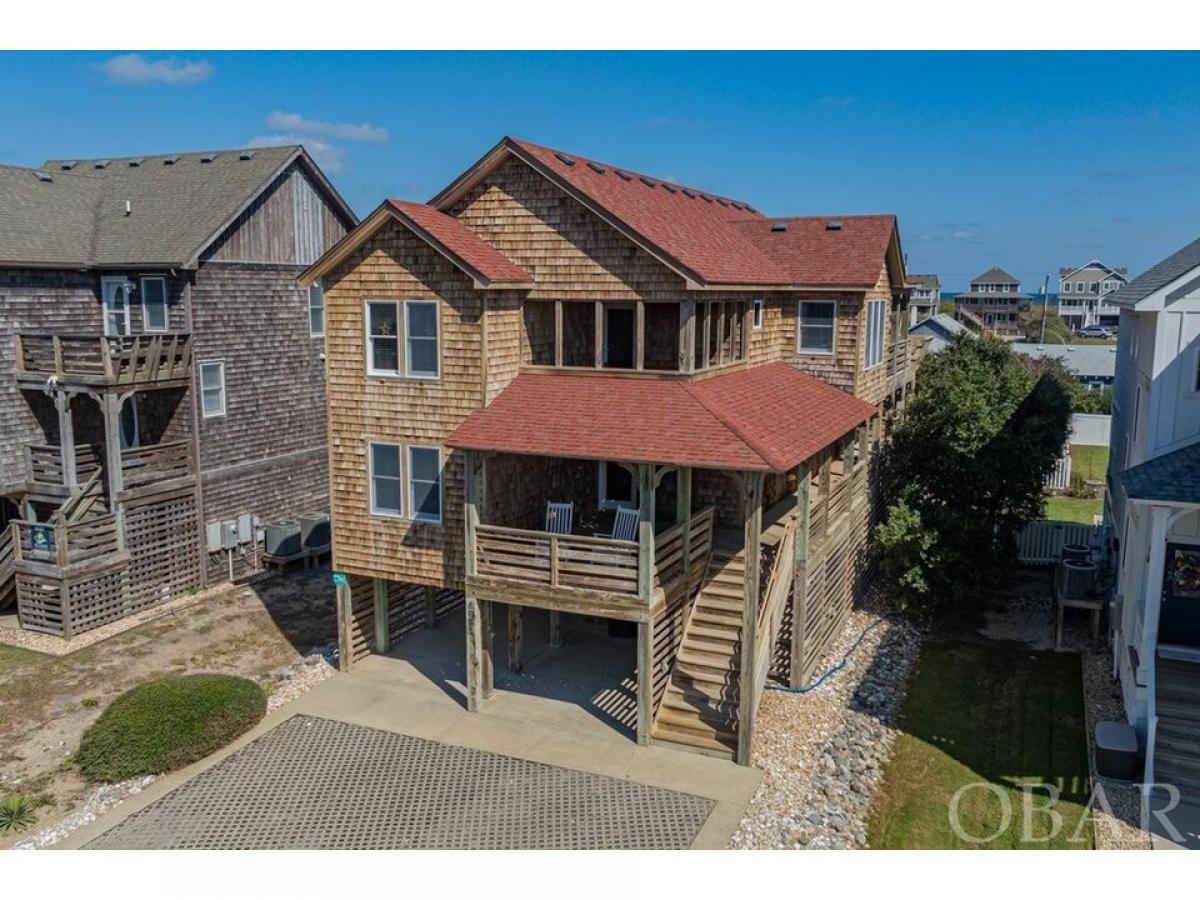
{"points": [[421, 695]]}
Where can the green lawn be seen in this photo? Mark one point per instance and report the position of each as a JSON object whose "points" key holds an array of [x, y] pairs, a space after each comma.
{"points": [[991, 712], [1073, 509], [1090, 463]]}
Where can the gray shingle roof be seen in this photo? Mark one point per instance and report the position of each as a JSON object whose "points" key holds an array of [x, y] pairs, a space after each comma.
{"points": [[995, 275], [78, 218], [1092, 360], [1159, 275], [1172, 477], [941, 328]]}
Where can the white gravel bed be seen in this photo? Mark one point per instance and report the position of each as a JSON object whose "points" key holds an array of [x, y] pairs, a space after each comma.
{"points": [[284, 685], [823, 753]]}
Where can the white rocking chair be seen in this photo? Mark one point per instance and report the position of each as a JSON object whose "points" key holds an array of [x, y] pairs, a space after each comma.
{"points": [[559, 517], [625, 525]]}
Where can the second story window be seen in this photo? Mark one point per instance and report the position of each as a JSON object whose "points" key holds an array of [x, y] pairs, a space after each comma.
{"points": [[425, 484], [876, 319], [212, 389], [154, 304], [383, 337], [386, 490], [815, 326], [1067, 287], [421, 327], [316, 311]]}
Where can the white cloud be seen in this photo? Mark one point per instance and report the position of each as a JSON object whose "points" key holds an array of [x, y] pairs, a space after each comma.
{"points": [[295, 123], [329, 157], [133, 68]]}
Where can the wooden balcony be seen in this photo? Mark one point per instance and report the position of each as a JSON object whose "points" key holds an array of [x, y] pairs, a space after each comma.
{"points": [[155, 465], [45, 473], [152, 465], [161, 360], [582, 574]]}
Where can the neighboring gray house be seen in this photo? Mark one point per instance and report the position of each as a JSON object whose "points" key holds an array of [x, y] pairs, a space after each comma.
{"points": [[1093, 364], [941, 330], [1084, 291], [993, 303], [161, 373], [1153, 506], [925, 295]]}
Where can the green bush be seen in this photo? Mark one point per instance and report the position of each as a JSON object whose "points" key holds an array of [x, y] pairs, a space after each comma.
{"points": [[18, 812], [167, 723]]}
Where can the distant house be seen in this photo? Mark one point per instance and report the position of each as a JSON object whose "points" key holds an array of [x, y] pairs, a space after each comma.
{"points": [[941, 331], [926, 294], [993, 303], [1094, 365], [1153, 506], [1084, 292]]}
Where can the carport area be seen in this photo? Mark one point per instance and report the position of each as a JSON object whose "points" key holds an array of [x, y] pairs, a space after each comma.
{"points": [[387, 756]]}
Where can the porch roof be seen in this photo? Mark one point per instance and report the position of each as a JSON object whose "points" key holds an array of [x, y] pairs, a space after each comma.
{"points": [[767, 418], [1171, 478]]}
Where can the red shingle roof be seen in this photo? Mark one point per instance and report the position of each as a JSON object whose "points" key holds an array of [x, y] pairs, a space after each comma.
{"points": [[461, 242], [769, 418], [813, 253]]}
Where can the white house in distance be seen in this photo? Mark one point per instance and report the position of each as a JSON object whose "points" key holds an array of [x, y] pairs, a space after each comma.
{"points": [[1154, 506], [924, 296], [1085, 294]]}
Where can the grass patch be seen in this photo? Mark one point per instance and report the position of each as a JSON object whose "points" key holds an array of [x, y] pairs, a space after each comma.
{"points": [[17, 657], [1073, 509], [1089, 463], [166, 723], [986, 712]]}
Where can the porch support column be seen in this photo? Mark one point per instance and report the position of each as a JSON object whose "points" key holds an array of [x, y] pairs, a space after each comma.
{"points": [[683, 511], [430, 607], [800, 578], [639, 335], [344, 600], [516, 635], [1155, 571], [687, 336], [478, 613], [555, 628], [558, 332], [110, 405], [382, 638], [66, 438], [752, 496], [598, 328], [645, 652]]}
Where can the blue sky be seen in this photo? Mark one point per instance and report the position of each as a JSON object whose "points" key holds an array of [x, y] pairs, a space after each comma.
{"points": [[1028, 161]]}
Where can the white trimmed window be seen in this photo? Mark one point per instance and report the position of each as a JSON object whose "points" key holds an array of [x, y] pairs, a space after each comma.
{"points": [[383, 337], [386, 490], [876, 317], [1067, 287], [154, 304], [425, 484], [815, 326], [212, 388], [758, 314], [316, 311], [421, 345]]}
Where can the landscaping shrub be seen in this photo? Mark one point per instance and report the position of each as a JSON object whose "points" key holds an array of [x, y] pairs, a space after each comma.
{"points": [[167, 723], [18, 812]]}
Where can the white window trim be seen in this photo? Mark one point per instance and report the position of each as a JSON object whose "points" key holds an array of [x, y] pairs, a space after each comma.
{"points": [[410, 484], [309, 307], [882, 325], [1066, 287], [607, 502], [119, 280], [398, 372], [800, 350], [437, 340], [371, 505], [165, 305], [758, 314], [220, 363]]}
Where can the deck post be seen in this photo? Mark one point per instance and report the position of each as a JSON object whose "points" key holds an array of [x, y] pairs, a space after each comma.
{"points": [[478, 613], [111, 406], [752, 497], [516, 636], [345, 617], [475, 652], [430, 607], [639, 335], [558, 333], [645, 661], [683, 512], [555, 628], [687, 336], [800, 578], [381, 615], [66, 438], [598, 330]]}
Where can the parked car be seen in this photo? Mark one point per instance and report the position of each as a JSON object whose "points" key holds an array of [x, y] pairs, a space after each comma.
{"points": [[1095, 331]]}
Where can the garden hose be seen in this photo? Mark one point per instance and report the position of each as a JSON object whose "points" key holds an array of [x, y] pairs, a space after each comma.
{"points": [[831, 672]]}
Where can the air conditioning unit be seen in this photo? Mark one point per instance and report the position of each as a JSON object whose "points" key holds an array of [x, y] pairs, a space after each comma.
{"points": [[314, 530], [282, 538]]}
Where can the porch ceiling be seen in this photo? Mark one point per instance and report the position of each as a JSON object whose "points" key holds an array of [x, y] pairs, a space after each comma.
{"points": [[768, 418]]}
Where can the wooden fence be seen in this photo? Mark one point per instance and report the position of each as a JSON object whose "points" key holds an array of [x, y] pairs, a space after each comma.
{"points": [[1041, 542], [1059, 478]]}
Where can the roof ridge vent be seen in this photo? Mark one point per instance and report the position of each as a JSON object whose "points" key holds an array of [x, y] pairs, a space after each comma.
{"points": [[722, 202], [779, 226], [624, 176], [246, 154], [208, 157], [833, 225], [170, 160], [68, 165], [688, 192], [564, 159], [100, 164], [134, 163], [648, 182], [670, 188], [596, 167], [42, 176]]}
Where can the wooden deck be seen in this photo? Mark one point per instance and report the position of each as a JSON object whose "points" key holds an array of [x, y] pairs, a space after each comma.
{"points": [[161, 360]]}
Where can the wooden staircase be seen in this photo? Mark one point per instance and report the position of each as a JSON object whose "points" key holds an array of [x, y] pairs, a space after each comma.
{"points": [[1177, 740], [699, 706], [8, 567]]}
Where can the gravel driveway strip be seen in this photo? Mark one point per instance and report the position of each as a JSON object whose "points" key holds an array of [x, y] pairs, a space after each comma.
{"points": [[319, 784]]}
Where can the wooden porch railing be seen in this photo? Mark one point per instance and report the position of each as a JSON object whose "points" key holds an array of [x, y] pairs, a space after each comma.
{"points": [[557, 560], [130, 359], [772, 603], [8, 565], [90, 494], [63, 544], [696, 534], [43, 463], [156, 462]]}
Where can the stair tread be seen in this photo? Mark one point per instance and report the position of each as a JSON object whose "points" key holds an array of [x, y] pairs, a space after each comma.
{"points": [[711, 741], [691, 703], [704, 629]]}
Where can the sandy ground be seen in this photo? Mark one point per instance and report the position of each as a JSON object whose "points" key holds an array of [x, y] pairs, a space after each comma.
{"points": [[259, 631]]}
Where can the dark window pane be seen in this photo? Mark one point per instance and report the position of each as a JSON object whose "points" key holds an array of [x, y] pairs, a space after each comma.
{"points": [[426, 500], [422, 357], [383, 319], [817, 313], [819, 338], [385, 460], [384, 355], [424, 464], [387, 495], [618, 482], [422, 319]]}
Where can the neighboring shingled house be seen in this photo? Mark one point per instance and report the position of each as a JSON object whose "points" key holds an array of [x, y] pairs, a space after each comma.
{"points": [[993, 303], [1084, 293], [926, 295], [161, 373]]}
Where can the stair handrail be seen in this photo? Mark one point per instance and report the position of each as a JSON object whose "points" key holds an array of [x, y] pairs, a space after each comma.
{"points": [[770, 610], [89, 491]]}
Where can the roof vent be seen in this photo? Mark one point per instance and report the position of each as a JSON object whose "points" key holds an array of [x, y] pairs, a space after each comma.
{"points": [[170, 160], [833, 225], [670, 188], [134, 163], [624, 176], [101, 164], [68, 165], [42, 176], [596, 167], [208, 157], [722, 202], [246, 154], [564, 159], [706, 198], [646, 181], [687, 192], [779, 226]]}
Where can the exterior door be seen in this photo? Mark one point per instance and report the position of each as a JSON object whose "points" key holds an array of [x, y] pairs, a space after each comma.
{"points": [[1179, 620], [116, 306]]}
